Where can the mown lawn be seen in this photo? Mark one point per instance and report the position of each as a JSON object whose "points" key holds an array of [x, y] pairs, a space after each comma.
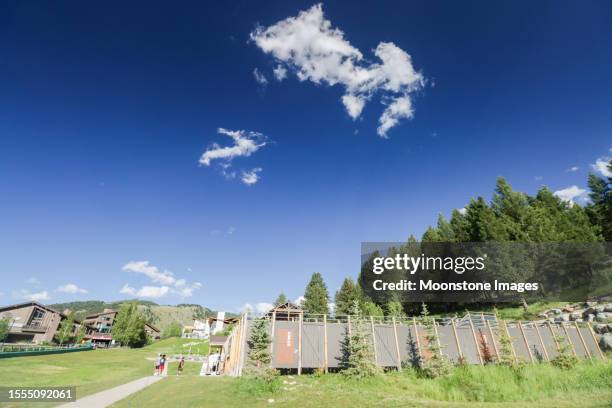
{"points": [[90, 371], [542, 386]]}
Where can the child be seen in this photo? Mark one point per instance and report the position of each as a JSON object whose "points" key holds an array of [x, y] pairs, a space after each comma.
{"points": [[162, 364], [157, 364], [181, 365]]}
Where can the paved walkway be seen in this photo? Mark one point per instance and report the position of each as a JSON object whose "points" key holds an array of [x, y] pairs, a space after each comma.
{"points": [[105, 398]]}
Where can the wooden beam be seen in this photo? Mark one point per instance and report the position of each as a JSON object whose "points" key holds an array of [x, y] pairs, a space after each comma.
{"points": [[456, 338], [325, 341], [272, 333], [588, 352], [554, 335], [526, 342], [416, 335], [569, 340], [397, 349], [493, 340], [475, 340], [435, 327], [374, 339], [603, 356], [542, 342], [300, 344]]}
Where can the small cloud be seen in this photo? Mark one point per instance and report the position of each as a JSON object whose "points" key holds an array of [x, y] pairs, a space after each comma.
{"points": [[71, 288], [168, 282], [33, 281], [280, 73], [145, 291], [231, 230], [32, 296], [601, 166], [251, 177], [538, 178], [299, 301], [573, 169], [261, 307], [572, 194], [245, 144], [462, 211], [260, 78]]}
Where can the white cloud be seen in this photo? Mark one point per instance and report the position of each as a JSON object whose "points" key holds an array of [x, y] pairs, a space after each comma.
{"points": [[462, 210], [260, 77], [572, 194], [245, 144], [573, 169], [538, 178], [71, 288], [33, 281], [280, 73], [168, 283], [145, 291], [299, 301], [309, 46], [250, 177], [36, 296], [601, 166], [398, 109], [261, 307]]}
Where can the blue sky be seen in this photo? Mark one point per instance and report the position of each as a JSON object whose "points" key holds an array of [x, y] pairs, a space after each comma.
{"points": [[107, 109]]}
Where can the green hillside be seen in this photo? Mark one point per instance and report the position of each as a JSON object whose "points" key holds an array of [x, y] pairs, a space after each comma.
{"points": [[158, 315]]}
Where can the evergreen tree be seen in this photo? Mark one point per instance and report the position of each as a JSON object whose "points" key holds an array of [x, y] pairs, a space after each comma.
{"points": [[281, 300], [259, 357], [369, 308], [359, 348], [507, 357], [316, 296], [66, 329], [436, 365], [394, 309], [345, 297], [4, 329]]}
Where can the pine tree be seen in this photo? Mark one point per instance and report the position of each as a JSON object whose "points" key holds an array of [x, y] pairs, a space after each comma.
{"points": [[281, 300], [316, 296], [437, 364], [259, 357], [507, 357], [394, 309], [359, 348], [66, 329], [369, 308], [345, 297]]}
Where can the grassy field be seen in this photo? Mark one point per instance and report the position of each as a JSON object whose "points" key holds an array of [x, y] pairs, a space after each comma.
{"points": [[588, 385], [91, 371]]}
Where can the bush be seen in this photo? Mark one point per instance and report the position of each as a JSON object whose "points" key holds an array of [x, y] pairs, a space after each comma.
{"points": [[565, 361], [259, 381], [436, 367]]}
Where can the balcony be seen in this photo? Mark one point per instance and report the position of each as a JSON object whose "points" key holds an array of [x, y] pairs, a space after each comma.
{"points": [[37, 328]]}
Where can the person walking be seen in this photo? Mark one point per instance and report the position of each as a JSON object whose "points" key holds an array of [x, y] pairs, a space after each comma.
{"points": [[162, 364], [180, 367], [157, 361]]}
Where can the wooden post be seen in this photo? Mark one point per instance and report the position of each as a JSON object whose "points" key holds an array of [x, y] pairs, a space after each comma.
{"points": [[300, 343], [475, 339], [397, 349], [569, 340], [541, 342], [456, 338], [588, 352], [416, 335], [526, 342], [325, 341], [603, 356], [493, 340], [272, 333], [374, 339], [435, 327], [511, 342], [554, 335]]}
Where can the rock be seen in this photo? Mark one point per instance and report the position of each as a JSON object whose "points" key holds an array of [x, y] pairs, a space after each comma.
{"points": [[576, 316], [600, 328], [608, 308], [606, 341], [599, 309], [579, 320], [568, 309], [556, 311], [589, 311], [563, 318], [590, 304], [543, 315], [601, 317], [590, 317], [609, 327]]}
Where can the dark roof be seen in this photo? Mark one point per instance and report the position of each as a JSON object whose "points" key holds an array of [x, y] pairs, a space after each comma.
{"points": [[152, 327], [217, 340]]}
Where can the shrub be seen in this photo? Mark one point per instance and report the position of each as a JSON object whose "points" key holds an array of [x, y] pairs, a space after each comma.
{"points": [[565, 361]]}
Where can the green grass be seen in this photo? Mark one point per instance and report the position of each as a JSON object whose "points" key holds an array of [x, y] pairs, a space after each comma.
{"points": [[91, 371], [542, 386]]}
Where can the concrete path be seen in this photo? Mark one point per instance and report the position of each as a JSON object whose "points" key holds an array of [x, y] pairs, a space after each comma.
{"points": [[105, 398]]}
